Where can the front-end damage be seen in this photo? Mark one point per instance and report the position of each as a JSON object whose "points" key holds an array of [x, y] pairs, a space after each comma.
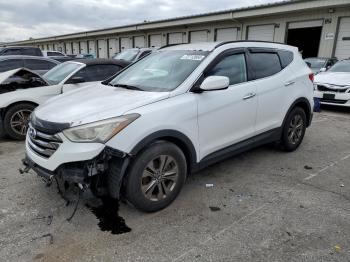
{"points": [[102, 175]]}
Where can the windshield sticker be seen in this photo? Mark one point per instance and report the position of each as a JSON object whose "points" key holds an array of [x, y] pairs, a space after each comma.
{"points": [[192, 57]]}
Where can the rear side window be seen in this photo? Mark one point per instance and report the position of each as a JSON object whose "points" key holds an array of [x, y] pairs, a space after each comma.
{"points": [[97, 72], [286, 57], [232, 66], [38, 64], [29, 51], [12, 51], [54, 54], [265, 64], [10, 64]]}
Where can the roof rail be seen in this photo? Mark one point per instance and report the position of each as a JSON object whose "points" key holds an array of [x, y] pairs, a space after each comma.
{"points": [[244, 41], [169, 45]]}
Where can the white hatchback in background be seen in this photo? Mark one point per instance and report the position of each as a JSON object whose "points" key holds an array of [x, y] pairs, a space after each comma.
{"points": [[333, 86], [174, 112]]}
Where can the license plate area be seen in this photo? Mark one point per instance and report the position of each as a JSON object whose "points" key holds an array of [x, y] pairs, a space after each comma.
{"points": [[329, 96]]}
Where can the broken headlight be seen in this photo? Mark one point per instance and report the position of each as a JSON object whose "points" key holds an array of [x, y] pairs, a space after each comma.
{"points": [[101, 131]]}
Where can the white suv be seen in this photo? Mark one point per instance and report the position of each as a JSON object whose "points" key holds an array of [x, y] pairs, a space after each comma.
{"points": [[180, 109]]}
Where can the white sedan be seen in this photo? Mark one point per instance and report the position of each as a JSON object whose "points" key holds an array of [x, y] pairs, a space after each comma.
{"points": [[333, 86]]}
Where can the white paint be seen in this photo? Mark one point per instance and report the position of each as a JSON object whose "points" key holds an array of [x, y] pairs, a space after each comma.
{"points": [[125, 43], [342, 49], [113, 47], [155, 40], [261, 32], [175, 38], [226, 34], [75, 48], [102, 48], [139, 41], [92, 47], [83, 47], [199, 36]]}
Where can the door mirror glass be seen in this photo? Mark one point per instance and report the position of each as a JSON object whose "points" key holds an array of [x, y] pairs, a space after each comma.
{"points": [[75, 80], [215, 83]]}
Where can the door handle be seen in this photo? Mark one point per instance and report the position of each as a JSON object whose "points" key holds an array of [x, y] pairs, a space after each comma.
{"points": [[248, 96], [289, 83]]}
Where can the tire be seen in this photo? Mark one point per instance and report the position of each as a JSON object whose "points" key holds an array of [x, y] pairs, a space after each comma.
{"points": [[294, 130], [19, 115], [156, 176]]}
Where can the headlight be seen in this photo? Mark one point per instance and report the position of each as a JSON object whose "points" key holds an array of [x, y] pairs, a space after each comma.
{"points": [[101, 131]]}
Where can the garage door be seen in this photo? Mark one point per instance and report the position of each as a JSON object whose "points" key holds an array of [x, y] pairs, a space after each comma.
{"points": [[226, 34], [125, 43], [75, 48], [305, 24], [55, 46], [102, 48], [175, 38], [83, 47], [199, 36], [92, 47], [155, 40], [60, 47], [68, 48], [139, 41], [261, 32], [112, 47], [342, 49]]}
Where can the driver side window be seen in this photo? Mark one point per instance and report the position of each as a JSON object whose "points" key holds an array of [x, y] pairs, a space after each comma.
{"points": [[233, 67]]}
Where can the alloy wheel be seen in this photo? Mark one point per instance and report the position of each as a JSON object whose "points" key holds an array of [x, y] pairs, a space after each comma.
{"points": [[295, 130], [19, 121], [159, 178]]}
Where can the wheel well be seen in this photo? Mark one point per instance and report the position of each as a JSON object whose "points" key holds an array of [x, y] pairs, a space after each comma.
{"points": [[306, 107], [4, 110]]}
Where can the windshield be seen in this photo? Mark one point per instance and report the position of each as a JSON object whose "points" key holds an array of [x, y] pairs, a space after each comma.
{"points": [[161, 71], [342, 66], [60, 72], [128, 55], [316, 62]]}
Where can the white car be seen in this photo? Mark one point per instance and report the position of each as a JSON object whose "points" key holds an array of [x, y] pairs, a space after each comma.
{"points": [[333, 86], [21, 90], [172, 113]]}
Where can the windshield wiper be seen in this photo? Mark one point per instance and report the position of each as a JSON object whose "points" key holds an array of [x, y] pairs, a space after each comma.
{"points": [[127, 86]]}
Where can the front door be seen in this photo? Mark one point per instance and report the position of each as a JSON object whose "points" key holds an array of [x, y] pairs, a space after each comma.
{"points": [[226, 117]]}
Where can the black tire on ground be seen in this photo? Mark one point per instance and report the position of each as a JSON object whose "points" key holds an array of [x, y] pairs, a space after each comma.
{"points": [[160, 157], [9, 130], [293, 130]]}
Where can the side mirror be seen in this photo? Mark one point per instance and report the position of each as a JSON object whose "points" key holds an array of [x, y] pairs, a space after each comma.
{"points": [[308, 64], [215, 83], [75, 80], [323, 69]]}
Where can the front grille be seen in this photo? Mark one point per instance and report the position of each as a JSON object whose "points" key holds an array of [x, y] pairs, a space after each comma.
{"points": [[325, 89], [42, 143], [334, 101]]}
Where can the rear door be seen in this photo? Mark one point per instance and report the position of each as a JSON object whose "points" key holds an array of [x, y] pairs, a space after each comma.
{"points": [[271, 84], [226, 117], [10, 64], [38, 65]]}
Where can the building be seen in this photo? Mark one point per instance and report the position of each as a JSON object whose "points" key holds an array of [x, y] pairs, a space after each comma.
{"points": [[318, 27]]}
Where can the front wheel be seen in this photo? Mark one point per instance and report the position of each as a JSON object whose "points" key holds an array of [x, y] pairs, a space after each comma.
{"points": [[294, 129], [16, 120], [156, 176]]}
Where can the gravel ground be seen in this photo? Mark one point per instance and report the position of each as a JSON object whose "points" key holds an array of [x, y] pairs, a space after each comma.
{"points": [[265, 205]]}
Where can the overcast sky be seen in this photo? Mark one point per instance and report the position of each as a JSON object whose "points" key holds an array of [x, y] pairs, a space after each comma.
{"points": [[21, 19]]}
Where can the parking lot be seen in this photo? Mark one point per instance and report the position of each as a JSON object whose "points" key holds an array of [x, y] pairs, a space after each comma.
{"points": [[264, 205]]}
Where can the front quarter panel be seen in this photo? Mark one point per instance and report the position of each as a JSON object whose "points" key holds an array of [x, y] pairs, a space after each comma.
{"points": [[178, 113]]}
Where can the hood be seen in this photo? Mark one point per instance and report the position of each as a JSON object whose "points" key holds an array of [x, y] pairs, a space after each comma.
{"points": [[338, 79], [93, 103], [5, 75]]}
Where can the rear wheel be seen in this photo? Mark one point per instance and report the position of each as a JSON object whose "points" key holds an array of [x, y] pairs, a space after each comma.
{"points": [[294, 129], [16, 120], [156, 176]]}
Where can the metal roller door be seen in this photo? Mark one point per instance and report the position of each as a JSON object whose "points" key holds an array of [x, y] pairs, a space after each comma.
{"points": [[342, 49], [175, 38], [199, 36], [75, 48], [102, 48], [226, 34], [125, 43], [261, 32], [92, 47], [55, 47], [68, 46], [112, 47], [83, 47], [155, 40], [139, 41], [60, 47]]}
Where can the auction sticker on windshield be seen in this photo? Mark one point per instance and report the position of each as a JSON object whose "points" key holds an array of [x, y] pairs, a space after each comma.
{"points": [[192, 57]]}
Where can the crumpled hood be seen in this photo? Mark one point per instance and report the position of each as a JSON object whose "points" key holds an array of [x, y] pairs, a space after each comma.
{"points": [[333, 78], [5, 75], [93, 103]]}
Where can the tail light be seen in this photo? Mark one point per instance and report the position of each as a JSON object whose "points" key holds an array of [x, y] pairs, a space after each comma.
{"points": [[311, 77]]}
